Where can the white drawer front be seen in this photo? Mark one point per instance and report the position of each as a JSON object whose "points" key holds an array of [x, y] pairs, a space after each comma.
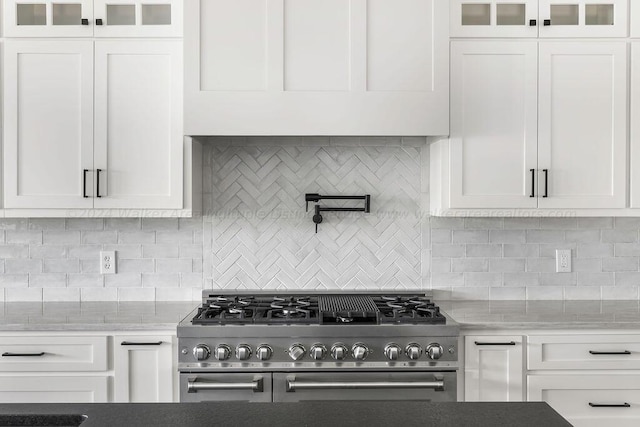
{"points": [[582, 399], [53, 389], [53, 354], [584, 352]]}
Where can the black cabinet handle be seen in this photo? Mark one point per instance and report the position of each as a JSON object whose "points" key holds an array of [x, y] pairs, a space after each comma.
{"points": [[84, 21], [495, 343], [533, 183], [546, 183], [547, 22], [98, 183], [141, 343], [533, 22], [609, 405], [98, 21], [84, 183], [23, 354], [610, 353]]}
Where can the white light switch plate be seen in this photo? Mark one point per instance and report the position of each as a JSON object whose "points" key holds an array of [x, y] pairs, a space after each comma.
{"points": [[108, 262]]}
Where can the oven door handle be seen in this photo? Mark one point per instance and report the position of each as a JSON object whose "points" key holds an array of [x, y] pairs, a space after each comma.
{"points": [[293, 385], [194, 385]]}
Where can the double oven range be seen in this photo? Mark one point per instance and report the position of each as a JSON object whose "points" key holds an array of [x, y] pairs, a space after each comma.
{"points": [[266, 347]]}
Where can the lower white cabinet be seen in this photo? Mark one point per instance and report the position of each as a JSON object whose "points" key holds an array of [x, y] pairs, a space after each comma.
{"points": [[493, 368], [98, 367], [143, 368], [589, 400], [587, 376]]}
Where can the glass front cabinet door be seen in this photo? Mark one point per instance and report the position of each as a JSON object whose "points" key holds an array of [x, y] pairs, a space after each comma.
{"points": [[583, 18], [539, 18], [93, 18], [45, 18], [496, 18]]}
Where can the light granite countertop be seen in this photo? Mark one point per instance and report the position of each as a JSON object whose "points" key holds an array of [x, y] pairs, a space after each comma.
{"points": [[92, 316], [132, 316], [544, 314]]}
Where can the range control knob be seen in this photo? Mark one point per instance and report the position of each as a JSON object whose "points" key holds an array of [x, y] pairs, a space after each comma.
{"points": [[264, 352], [339, 351], [243, 352], [435, 351], [223, 352], [201, 352], [414, 351], [318, 352], [360, 351], [296, 351], [392, 351]]}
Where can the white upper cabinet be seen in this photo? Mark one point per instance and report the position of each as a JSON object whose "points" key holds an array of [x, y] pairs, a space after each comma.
{"points": [[138, 124], [89, 18], [494, 122], [583, 125], [316, 67], [539, 18], [48, 117]]}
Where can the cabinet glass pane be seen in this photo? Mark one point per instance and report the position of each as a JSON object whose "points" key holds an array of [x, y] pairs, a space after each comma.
{"points": [[31, 14], [156, 14], [121, 14], [510, 14], [67, 14], [564, 14], [476, 14], [599, 14]]}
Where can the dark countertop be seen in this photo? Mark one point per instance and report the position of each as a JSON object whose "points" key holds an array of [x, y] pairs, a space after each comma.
{"points": [[311, 414]]}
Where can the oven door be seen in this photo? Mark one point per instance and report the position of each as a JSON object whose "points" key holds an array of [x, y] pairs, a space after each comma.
{"points": [[225, 387], [406, 386]]}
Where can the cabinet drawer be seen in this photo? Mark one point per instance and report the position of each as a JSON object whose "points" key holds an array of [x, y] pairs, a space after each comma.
{"points": [[53, 354], [53, 389], [584, 352], [590, 400]]}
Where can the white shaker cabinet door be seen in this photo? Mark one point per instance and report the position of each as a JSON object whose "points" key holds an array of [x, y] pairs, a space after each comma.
{"points": [[48, 18], [582, 141], [48, 118], [493, 124], [584, 18], [493, 369], [144, 369], [138, 124]]}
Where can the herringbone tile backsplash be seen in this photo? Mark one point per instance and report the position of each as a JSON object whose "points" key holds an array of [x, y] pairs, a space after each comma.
{"points": [[259, 236]]}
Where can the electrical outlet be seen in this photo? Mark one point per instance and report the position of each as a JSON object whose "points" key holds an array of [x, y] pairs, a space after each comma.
{"points": [[563, 261], [108, 262]]}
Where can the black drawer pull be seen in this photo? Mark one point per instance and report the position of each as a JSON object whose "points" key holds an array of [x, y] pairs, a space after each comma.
{"points": [[546, 183], [547, 22], [98, 183], [609, 405], [84, 183], [610, 353], [141, 343], [533, 23], [23, 354], [496, 343]]}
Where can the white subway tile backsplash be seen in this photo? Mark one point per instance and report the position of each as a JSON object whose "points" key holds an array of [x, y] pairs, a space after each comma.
{"points": [[463, 265], [56, 237], [136, 294], [135, 265], [470, 236], [23, 266], [595, 250], [483, 251], [620, 236], [23, 237], [23, 294], [48, 280], [61, 266], [61, 294], [98, 294], [620, 264], [99, 237]]}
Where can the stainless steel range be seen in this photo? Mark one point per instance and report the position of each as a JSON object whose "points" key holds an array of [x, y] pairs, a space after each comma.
{"points": [[289, 348]]}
